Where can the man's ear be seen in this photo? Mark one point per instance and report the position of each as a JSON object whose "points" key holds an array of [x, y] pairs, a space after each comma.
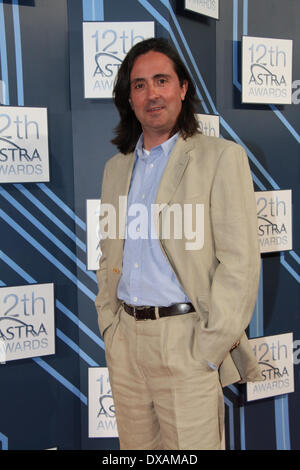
{"points": [[184, 88]]}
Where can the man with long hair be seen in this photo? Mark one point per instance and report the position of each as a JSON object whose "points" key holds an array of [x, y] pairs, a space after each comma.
{"points": [[174, 299]]}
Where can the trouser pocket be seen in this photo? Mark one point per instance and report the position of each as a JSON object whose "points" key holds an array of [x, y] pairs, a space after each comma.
{"points": [[181, 346], [110, 333]]}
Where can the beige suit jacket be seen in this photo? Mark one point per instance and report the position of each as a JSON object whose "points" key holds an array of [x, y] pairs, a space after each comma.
{"points": [[220, 278]]}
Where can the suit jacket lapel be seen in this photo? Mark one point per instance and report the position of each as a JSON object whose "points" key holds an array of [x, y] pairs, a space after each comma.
{"points": [[174, 170], [125, 168]]}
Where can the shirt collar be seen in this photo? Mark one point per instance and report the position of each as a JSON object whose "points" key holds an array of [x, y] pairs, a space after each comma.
{"points": [[166, 147]]}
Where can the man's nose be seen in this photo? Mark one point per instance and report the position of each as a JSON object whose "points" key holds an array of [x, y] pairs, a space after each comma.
{"points": [[152, 90]]}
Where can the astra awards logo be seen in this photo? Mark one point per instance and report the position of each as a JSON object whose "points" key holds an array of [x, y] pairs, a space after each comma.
{"points": [[106, 64], [104, 46], [274, 220], [26, 321], [204, 7], [267, 70], [23, 145], [209, 124], [102, 416], [106, 405], [275, 357], [16, 161]]}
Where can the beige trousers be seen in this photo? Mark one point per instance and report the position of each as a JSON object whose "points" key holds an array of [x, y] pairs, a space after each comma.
{"points": [[165, 396]]}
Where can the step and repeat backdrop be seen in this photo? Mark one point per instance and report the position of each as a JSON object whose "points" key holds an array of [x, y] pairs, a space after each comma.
{"points": [[58, 62]]}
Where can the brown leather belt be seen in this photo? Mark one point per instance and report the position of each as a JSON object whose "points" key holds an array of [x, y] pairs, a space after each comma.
{"points": [[148, 312]]}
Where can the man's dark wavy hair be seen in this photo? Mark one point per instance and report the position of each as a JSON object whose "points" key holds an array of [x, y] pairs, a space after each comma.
{"points": [[129, 128]]}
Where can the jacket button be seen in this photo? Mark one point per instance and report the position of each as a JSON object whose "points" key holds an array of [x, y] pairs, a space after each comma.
{"points": [[116, 270]]}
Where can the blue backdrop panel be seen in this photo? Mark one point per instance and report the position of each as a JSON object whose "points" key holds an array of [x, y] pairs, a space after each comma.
{"points": [[44, 401], [40, 398]]}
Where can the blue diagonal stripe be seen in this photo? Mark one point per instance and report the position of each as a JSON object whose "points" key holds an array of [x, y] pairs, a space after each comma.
{"points": [[17, 268], [62, 205], [4, 441], [50, 215], [289, 268], [58, 304], [234, 390], [258, 182], [47, 233], [47, 255], [76, 348], [295, 256], [249, 153], [50, 370], [285, 122], [80, 324]]}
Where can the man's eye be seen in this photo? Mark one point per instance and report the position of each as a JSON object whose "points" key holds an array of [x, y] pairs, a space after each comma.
{"points": [[161, 81], [138, 86]]}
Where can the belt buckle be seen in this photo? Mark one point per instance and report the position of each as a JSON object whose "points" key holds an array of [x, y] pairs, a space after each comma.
{"points": [[134, 313], [135, 310]]}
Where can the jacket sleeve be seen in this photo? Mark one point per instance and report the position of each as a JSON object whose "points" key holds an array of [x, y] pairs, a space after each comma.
{"points": [[102, 303], [235, 281]]}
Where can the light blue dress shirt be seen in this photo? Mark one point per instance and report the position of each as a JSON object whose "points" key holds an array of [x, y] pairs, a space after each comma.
{"points": [[147, 278]]}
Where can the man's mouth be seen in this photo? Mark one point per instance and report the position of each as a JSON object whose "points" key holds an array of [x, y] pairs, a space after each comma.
{"points": [[154, 109]]}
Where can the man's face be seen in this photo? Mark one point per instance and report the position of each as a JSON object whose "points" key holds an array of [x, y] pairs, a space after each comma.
{"points": [[155, 94]]}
